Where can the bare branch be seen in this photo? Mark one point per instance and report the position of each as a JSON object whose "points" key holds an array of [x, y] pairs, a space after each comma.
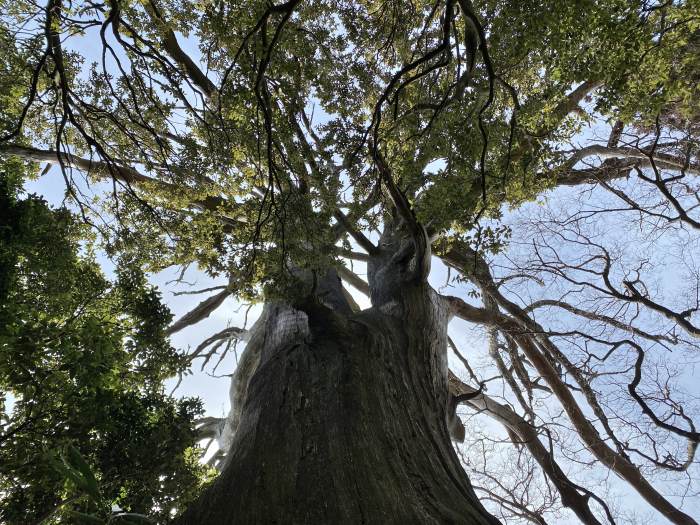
{"points": [[199, 312], [569, 491]]}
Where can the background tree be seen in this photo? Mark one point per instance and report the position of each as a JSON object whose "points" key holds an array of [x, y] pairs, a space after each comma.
{"points": [[82, 364], [270, 144]]}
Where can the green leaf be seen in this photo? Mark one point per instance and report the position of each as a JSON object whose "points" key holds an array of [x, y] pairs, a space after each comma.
{"points": [[89, 483]]}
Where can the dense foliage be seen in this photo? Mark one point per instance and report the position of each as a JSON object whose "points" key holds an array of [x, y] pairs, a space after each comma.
{"points": [[464, 125], [82, 360], [254, 139]]}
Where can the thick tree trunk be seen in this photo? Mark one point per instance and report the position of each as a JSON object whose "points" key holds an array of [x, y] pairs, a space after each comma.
{"points": [[344, 422]]}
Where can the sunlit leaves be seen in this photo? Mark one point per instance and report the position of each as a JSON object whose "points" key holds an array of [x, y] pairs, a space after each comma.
{"points": [[82, 359]]}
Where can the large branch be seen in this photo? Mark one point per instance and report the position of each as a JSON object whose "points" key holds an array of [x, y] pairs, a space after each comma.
{"points": [[610, 170], [353, 279], [572, 100], [359, 237], [198, 313], [569, 104], [618, 164], [641, 158], [405, 211], [527, 435], [105, 170], [172, 47], [119, 172]]}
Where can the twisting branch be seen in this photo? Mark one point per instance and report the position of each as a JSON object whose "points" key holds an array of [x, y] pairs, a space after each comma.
{"points": [[479, 35], [692, 435]]}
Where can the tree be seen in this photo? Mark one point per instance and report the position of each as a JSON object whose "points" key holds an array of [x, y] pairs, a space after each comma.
{"points": [[83, 359], [269, 144]]}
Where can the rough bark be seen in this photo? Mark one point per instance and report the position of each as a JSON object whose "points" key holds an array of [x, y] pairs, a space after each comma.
{"points": [[344, 418]]}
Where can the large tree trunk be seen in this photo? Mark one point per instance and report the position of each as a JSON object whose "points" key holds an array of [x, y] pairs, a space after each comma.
{"points": [[344, 421]]}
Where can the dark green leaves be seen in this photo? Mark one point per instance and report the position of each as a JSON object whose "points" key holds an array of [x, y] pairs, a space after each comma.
{"points": [[82, 362]]}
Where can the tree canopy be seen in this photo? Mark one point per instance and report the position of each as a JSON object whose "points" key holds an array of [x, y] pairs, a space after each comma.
{"points": [[257, 141]]}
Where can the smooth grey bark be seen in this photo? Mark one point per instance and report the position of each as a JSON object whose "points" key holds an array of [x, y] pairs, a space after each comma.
{"points": [[344, 418]]}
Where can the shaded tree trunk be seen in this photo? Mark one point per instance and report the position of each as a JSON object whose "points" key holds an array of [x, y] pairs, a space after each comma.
{"points": [[344, 418]]}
